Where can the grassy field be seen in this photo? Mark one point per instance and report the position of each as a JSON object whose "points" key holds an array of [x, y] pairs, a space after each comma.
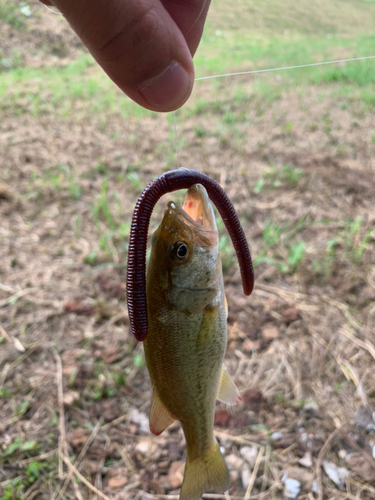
{"points": [[294, 151]]}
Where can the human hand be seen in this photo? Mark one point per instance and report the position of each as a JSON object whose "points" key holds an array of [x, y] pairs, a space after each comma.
{"points": [[144, 46]]}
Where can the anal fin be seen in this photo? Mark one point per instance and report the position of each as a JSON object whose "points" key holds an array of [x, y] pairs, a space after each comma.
{"points": [[227, 392], [160, 418]]}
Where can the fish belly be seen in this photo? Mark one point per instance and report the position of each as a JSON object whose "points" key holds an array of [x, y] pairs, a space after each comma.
{"points": [[184, 356]]}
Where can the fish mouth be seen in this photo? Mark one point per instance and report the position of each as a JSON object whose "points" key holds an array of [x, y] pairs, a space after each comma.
{"points": [[198, 207]]}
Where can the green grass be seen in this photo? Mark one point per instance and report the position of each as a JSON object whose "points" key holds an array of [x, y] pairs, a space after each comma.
{"points": [[14, 489], [283, 245], [14, 13], [112, 232], [62, 178], [280, 248], [286, 176], [250, 53], [354, 239], [79, 88], [288, 35], [290, 18]]}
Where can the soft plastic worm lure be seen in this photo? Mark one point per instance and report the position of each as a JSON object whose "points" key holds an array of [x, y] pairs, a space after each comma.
{"points": [[136, 272]]}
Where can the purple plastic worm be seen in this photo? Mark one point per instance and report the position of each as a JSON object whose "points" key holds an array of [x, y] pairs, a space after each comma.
{"points": [[136, 272]]}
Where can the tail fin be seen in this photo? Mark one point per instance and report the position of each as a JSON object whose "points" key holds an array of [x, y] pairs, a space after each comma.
{"points": [[208, 473]]}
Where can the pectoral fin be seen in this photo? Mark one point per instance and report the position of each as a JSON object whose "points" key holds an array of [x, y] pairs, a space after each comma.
{"points": [[227, 392], [160, 418]]}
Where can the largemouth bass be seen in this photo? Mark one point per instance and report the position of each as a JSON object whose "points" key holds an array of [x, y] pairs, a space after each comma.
{"points": [[187, 336]]}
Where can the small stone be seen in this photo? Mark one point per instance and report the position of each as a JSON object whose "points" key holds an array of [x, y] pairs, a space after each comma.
{"points": [[233, 474], [250, 454], [306, 460], [315, 488], [289, 315], [222, 418], [233, 462], [292, 487], [6, 193], [304, 477], [176, 474], [245, 476], [252, 400], [275, 436], [117, 482], [143, 447], [139, 418], [310, 410], [336, 474], [365, 418], [270, 334], [70, 397], [304, 436]]}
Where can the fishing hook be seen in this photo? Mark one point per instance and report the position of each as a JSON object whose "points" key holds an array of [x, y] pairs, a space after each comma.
{"points": [[136, 269]]}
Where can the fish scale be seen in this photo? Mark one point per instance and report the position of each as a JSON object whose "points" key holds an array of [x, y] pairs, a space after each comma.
{"points": [[187, 337]]}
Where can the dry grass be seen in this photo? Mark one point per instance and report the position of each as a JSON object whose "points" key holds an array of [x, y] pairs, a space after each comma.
{"points": [[74, 391], [311, 17]]}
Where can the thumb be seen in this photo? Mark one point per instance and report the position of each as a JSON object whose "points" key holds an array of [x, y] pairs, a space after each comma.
{"points": [[139, 46]]}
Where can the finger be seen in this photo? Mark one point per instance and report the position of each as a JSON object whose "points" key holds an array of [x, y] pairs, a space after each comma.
{"points": [[190, 16], [140, 47]]}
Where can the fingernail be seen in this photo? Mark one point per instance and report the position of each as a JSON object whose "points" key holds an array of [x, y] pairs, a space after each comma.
{"points": [[169, 90]]}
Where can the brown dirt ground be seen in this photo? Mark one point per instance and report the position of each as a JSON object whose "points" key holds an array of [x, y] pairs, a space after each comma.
{"points": [[301, 348]]}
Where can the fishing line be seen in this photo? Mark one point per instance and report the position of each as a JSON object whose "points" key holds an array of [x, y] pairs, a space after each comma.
{"points": [[53, 11], [253, 72], [269, 70], [310, 65], [175, 139]]}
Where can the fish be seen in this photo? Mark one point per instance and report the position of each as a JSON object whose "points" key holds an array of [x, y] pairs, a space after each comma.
{"points": [[187, 337]]}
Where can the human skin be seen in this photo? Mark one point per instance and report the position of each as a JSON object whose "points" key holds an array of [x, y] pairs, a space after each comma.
{"points": [[144, 46]]}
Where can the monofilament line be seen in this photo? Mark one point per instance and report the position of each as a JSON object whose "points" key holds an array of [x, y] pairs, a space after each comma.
{"points": [[175, 139], [53, 11], [252, 72], [255, 71]]}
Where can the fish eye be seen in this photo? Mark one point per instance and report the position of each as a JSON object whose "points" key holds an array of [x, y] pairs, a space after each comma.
{"points": [[180, 250]]}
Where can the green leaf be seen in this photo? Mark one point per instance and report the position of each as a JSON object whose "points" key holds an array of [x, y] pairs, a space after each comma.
{"points": [[12, 447], [33, 470], [4, 392], [259, 186], [138, 360], [296, 254], [29, 445]]}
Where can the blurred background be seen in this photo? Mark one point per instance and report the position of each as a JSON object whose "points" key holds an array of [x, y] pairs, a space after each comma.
{"points": [[294, 151]]}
